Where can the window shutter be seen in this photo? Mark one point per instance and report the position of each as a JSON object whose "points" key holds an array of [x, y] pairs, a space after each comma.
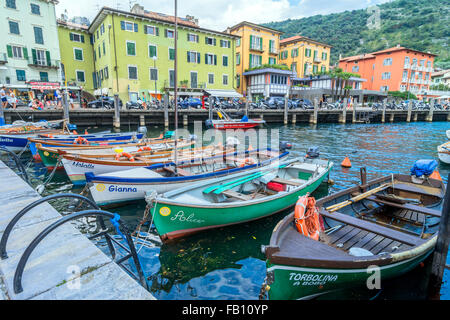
{"points": [[260, 60], [251, 41], [206, 58], [206, 40], [145, 29], [215, 60], [9, 49], [71, 36], [49, 62], [250, 61], [165, 33], [157, 31], [25, 53], [188, 57], [135, 27], [33, 52], [122, 25], [82, 38], [214, 41], [260, 43], [198, 57]]}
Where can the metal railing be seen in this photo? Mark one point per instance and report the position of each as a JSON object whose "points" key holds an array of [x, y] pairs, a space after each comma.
{"points": [[43, 63], [3, 58], [22, 171]]}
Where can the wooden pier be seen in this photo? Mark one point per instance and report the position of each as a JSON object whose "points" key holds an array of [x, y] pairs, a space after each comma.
{"points": [[65, 265], [94, 117]]}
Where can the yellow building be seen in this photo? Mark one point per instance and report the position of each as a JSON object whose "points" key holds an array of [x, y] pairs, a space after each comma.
{"points": [[305, 56], [257, 47]]}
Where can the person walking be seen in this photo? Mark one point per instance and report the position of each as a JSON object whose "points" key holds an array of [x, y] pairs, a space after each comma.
{"points": [[4, 97], [58, 98], [13, 98]]}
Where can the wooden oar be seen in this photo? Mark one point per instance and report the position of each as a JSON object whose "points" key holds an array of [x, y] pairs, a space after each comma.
{"points": [[362, 196]]}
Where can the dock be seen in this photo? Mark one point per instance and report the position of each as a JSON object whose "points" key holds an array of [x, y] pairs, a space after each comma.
{"points": [[66, 265], [96, 117]]}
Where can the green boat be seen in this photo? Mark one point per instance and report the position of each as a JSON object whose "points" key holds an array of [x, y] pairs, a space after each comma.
{"points": [[372, 232], [238, 198]]}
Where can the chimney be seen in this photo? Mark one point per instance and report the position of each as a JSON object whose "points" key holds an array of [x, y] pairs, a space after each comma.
{"points": [[192, 19], [137, 9]]}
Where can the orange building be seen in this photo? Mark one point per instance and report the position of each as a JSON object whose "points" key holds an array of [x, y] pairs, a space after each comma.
{"points": [[393, 69]]}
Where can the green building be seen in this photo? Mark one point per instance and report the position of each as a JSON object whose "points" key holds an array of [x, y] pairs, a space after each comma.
{"points": [[134, 54], [77, 57]]}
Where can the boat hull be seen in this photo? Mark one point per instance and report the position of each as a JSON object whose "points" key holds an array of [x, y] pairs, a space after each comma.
{"points": [[14, 143], [225, 125], [293, 283], [176, 221]]}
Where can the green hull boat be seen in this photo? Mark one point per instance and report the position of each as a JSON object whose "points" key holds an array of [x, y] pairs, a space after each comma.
{"points": [[373, 232], [238, 198]]}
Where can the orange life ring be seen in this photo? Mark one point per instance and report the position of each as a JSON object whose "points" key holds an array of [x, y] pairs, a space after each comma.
{"points": [[80, 140], [144, 149], [307, 218], [247, 161], [125, 154]]}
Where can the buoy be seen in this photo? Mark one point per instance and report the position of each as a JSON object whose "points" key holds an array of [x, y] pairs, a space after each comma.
{"points": [[435, 175], [74, 132], [118, 150], [85, 131], [346, 163]]}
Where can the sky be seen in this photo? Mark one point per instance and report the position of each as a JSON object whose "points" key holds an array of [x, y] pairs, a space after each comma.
{"points": [[220, 14]]}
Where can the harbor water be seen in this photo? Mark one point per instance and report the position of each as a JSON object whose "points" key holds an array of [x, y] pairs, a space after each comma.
{"points": [[228, 264]]}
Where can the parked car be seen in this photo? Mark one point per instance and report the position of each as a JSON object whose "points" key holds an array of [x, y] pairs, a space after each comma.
{"points": [[191, 103], [134, 105], [105, 102]]}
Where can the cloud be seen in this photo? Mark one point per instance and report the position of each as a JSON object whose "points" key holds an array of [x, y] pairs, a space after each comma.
{"points": [[220, 14]]}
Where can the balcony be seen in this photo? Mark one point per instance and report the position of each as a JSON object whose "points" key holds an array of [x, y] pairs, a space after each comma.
{"points": [[414, 67], [274, 51], [256, 48], [317, 60], [3, 58], [407, 66], [43, 63]]}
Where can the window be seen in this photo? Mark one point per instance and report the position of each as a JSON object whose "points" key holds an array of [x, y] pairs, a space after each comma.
{"points": [[76, 37], [294, 53], [256, 43], [238, 80], [21, 75], [386, 76], [238, 42], [131, 48], [284, 54], [308, 53], [210, 41], [11, 4], [41, 57], [323, 69], [211, 78], [315, 69], [78, 54], [272, 61], [355, 69], [38, 37], [43, 76], [154, 31], [225, 61], [192, 37], [132, 73], [170, 34], [171, 78], [80, 76], [384, 88], [152, 52], [171, 54], [102, 29], [98, 36], [153, 74], [387, 62], [255, 61], [128, 26], [99, 52], [14, 27], [422, 63], [210, 59], [225, 80], [17, 52], [405, 75], [324, 56], [104, 48], [272, 46], [225, 43], [35, 9], [276, 79], [294, 67], [407, 61], [106, 72], [238, 58], [193, 57]]}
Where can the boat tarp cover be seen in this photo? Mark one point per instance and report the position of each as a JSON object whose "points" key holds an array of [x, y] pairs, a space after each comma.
{"points": [[244, 119], [423, 167]]}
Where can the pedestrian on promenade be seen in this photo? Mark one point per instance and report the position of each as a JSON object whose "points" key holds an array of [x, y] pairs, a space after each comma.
{"points": [[4, 97], [71, 98], [37, 105], [58, 98], [13, 98]]}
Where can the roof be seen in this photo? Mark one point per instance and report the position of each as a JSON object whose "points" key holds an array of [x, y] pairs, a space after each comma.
{"points": [[301, 38], [158, 17], [267, 70], [440, 73], [373, 54], [72, 25], [251, 24]]}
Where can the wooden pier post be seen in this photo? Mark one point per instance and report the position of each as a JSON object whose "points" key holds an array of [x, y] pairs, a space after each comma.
{"points": [[166, 111], [430, 114], [246, 106], [185, 120], [441, 249], [66, 107], [408, 117], [354, 113], [142, 120], [116, 120], [415, 117], [285, 110], [448, 116], [294, 118], [2, 115], [383, 115], [343, 118], [313, 117]]}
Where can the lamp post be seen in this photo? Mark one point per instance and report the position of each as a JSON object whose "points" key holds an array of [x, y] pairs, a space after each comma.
{"points": [[156, 78]]}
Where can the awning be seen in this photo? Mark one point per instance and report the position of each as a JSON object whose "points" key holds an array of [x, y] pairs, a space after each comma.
{"points": [[186, 93], [44, 85], [223, 93]]}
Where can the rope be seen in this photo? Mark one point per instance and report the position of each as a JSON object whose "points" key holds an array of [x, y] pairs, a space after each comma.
{"points": [[41, 188], [149, 199], [23, 150], [116, 225]]}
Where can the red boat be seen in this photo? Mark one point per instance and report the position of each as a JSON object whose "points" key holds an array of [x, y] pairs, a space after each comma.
{"points": [[225, 122]]}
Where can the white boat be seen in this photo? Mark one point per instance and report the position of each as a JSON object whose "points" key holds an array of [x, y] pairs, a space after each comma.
{"points": [[444, 152], [131, 185], [448, 134]]}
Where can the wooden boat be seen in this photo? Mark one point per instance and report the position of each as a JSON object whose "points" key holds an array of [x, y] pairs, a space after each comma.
{"points": [[77, 166], [130, 185], [226, 122], [238, 198], [448, 134], [387, 222], [444, 152], [50, 156]]}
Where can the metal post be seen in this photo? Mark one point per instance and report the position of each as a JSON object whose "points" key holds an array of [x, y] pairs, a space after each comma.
{"points": [[185, 120], [294, 118], [166, 111], [430, 114], [383, 115], [344, 113], [116, 111], [246, 106], [176, 85], [408, 118], [285, 110], [354, 113], [441, 249], [313, 120], [392, 117]]}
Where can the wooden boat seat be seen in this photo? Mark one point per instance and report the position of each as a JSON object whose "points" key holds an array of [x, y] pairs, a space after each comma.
{"points": [[412, 207], [374, 228], [287, 182], [411, 188], [237, 195], [179, 171]]}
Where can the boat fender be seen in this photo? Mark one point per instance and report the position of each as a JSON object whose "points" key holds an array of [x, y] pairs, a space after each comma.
{"points": [[276, 186], [307, 218], [124, 154], [144, 149], [247, 162], [359, 252]]}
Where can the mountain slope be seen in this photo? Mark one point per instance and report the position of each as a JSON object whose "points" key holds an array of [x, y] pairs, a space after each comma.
{"points": [[417, 24]]}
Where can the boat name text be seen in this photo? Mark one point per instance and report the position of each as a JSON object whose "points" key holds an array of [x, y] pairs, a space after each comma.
{"points": [[306, 279]]}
